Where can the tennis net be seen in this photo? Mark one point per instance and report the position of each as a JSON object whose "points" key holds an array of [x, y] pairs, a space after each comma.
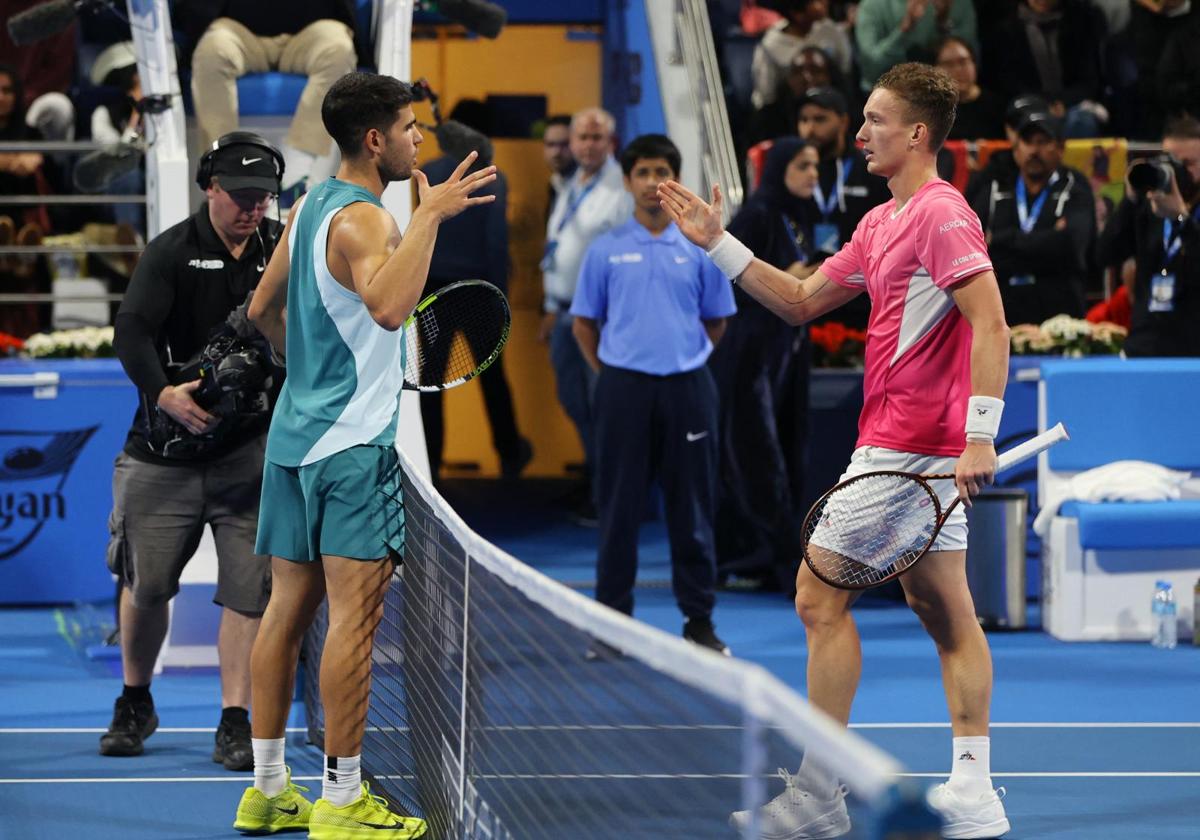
{"points": [[504, 705]]}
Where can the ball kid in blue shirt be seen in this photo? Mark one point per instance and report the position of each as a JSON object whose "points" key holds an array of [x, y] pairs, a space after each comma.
{"points": [[648, 308]]}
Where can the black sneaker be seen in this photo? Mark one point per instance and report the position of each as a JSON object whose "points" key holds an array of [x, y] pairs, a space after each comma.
{"points": [[585, 515], [511, 467], [232, 747], [700, 631], [133, 722]]}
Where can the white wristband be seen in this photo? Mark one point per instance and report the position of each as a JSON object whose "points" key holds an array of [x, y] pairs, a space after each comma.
{"points": [[730, 256], [983, 418]]}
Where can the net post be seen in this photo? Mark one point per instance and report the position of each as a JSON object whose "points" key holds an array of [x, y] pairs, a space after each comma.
{"points": [[904, 813]]}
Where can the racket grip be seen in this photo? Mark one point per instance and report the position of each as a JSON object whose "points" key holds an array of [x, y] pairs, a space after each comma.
{"points": [[1033, 446]]}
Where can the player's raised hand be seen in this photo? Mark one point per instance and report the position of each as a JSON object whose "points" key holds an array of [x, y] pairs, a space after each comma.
{"points": [[453, 196], [696, 219]]}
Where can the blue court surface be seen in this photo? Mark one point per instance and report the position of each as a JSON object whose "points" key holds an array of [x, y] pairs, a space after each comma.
{"points": [[1092, 741]]}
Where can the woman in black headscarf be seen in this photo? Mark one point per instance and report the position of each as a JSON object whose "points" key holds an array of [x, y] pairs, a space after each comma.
{"points": [[761, 369]]}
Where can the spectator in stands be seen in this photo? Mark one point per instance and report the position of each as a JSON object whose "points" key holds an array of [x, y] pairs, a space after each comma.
{"points": [[474, 246], [1179, 70], [812, 68], [1053, 46], [593, 200], [845, 190], [21, 173], [46, 68], [314, 38], [1160, 229], [1151, 24], [889, 32], [1000, 165], [649, 308], [119, 121], [556, 151], [980, 114], [805, 23], [761, 369], [1040, 226]]}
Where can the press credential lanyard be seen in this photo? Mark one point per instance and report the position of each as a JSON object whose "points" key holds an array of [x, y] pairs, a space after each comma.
{"points": [[826, 205], [573, 203], [1171, 245], [1027, 216], [796, 238]]}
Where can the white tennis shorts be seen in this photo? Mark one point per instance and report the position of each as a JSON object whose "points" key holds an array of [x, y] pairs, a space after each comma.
{"points": [[953, 536]]}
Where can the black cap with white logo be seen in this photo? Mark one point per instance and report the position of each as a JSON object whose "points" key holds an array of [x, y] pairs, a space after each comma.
{"points": [[246, 166]]}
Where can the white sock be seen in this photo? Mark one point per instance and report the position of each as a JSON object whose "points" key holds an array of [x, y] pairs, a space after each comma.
{"points": [[296, 164], [343, 779], [816, 780], [971, 769], [270, 776]]}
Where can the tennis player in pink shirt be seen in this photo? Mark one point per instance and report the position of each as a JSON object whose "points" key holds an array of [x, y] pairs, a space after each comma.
{"points": [[936, 367]]}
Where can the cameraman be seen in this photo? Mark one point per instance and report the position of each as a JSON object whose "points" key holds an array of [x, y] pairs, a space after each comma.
{"points": [[184, 466], [1157, 223]]}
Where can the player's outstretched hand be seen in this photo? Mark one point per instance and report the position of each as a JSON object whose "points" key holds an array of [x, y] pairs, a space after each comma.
{"points": [[696, 219], [453, 196]]}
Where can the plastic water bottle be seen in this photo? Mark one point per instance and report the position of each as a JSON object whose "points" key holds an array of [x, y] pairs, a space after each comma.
{"points": [[1196, 615], [1165, 630]]}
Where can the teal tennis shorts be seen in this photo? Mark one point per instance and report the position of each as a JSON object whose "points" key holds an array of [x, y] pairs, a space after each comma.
{"points": [[346, 505]]}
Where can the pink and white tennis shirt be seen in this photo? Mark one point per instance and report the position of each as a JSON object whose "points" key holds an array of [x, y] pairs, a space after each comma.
{"points": [[918, 360]]}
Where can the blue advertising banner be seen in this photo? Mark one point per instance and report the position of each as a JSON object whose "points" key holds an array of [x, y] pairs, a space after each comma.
{"points": [[57, 445]]}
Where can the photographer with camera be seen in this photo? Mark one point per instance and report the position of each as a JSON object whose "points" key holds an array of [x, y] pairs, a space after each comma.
{"points": [[1157, 224], [194, 455]]}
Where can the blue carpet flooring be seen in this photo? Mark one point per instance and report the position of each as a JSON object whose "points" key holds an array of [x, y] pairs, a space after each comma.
{"points": [[1092, 741]]}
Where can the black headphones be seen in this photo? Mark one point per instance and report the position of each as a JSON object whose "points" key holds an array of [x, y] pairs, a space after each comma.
{"points": [[204, 171]]}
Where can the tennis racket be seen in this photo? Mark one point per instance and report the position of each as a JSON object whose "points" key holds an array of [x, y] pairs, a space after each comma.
{"points": [[874, 527], [454, 335]]}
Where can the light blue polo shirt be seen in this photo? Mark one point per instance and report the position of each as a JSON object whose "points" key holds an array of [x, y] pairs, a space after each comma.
{"points": [[650, 295]]}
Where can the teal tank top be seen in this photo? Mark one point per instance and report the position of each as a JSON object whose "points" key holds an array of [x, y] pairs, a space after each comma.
{"points": [[344, 371]]}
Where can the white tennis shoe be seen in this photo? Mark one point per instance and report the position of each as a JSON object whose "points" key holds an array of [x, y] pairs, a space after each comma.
{"points": [[969, 817], [797, 814]]}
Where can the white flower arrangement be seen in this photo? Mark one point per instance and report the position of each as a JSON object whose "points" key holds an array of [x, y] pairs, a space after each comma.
{"points": [[86, 343], [1067, 336]]}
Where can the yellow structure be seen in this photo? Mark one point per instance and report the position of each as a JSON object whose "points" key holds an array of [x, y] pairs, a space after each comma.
{"points": [[524, 60]]}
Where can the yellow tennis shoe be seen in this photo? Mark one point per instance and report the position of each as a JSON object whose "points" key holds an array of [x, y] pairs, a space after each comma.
{"points": [[258, 813], [367, 816]]}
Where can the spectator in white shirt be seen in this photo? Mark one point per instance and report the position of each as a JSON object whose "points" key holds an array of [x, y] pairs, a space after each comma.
{"points": [[592, 201]]}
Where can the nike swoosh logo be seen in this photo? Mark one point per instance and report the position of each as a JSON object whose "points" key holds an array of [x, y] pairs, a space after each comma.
{"points": [[248, 161], [695, 436], [295, 809]]}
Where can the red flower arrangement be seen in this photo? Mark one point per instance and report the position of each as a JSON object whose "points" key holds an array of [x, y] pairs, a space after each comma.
{"points": [[10, 345], [836, 345]]}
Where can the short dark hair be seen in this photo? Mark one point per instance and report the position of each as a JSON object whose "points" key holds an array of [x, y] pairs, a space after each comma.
{"points": [[1182, 127], [930, 94], [358, 102], [648, 147], [954, 39], [558, 119]]}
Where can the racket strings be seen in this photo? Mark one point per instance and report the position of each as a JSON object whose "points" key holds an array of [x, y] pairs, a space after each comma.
{"points": [[443, 340], [870, 529]]}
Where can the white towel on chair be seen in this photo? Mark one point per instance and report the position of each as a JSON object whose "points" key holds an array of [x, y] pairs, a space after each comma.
{"points": [[1120, 481]]}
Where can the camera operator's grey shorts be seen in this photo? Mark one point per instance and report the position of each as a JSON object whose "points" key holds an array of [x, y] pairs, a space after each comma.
{"points": [[159, 513]]}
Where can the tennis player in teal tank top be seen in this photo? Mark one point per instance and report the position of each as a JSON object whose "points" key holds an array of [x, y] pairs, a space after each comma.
{"points": [[332, 524]]}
